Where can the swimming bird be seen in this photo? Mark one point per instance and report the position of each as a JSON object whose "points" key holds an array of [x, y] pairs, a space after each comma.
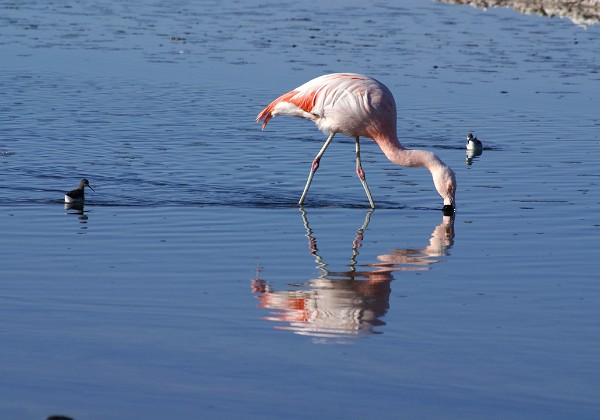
{"points": [[78, 194], [473, 143], [358, 106]]}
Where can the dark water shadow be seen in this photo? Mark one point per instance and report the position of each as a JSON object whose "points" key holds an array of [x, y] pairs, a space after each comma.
{"points": [[244, 200], [340, 306]]}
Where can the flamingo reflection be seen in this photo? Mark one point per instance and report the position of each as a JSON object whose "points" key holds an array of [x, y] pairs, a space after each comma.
{"points": [[341, 305]]}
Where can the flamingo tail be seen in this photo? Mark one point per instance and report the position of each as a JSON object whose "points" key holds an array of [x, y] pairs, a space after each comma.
{"points": [[293, 103]]}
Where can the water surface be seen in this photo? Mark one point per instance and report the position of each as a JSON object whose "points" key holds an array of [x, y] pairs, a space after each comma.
{"points": [[191, 285]]}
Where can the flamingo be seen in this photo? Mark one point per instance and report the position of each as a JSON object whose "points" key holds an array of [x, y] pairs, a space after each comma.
{"points": [[358, 106]]}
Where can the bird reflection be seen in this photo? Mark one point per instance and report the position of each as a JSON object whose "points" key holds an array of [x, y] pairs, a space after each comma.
{"points": [[77, 209], [339, 306], [473, 155]]}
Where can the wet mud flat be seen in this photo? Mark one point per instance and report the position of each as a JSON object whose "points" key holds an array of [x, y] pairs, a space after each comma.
{"points": [[581, 12]]}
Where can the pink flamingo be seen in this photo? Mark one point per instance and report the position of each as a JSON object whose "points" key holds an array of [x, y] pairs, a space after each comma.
{"points": [[358, 106]]}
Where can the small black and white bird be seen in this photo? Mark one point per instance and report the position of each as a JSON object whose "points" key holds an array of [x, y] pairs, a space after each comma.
{"points": [[77, 196], [473, 143]]}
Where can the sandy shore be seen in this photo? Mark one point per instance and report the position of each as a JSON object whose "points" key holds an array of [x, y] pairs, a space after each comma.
{"points": [[580, 12]]}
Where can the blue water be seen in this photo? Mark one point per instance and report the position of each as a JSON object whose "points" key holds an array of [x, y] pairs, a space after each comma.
{"points": [[191, 285]]}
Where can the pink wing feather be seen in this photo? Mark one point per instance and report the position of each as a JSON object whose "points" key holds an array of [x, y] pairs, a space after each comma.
{"points": [[304, 100]]}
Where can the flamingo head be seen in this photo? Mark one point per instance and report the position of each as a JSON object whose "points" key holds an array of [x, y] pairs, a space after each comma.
{"points": [[445, 184]]}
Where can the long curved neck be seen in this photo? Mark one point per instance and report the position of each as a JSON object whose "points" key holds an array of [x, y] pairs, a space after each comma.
{"points": [[402, 156], [443, 177]]}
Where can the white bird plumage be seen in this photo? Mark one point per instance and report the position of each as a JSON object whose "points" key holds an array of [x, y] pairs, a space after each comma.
{"points": [[473, 143]]}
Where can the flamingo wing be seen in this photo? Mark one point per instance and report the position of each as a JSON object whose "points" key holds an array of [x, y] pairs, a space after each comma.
{"points": [[339, 102], [311, 99], [297, 103]]}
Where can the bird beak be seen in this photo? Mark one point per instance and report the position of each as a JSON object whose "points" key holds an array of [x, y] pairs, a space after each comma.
{"points": [[91, 188]]}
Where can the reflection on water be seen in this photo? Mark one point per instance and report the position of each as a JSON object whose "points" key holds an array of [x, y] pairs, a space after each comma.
{"points": [[314, 250], [472, 155], [411, 259], [77, 209], [341, 305]]}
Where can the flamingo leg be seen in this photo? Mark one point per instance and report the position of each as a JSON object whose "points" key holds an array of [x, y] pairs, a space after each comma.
{"points": [[314, 167], [361, 173]]}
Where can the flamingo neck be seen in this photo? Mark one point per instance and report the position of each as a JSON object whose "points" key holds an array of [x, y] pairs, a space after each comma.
{"points": [[444, 179], [402, 156]]}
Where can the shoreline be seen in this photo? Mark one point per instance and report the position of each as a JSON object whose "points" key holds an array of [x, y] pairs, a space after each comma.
{"points": [[580, 12]]}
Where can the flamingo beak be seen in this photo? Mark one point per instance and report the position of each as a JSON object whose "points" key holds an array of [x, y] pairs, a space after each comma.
{"points": [[448, 210]]}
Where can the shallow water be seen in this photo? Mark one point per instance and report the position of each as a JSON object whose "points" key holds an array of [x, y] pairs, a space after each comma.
{"points": [[191, 284]]}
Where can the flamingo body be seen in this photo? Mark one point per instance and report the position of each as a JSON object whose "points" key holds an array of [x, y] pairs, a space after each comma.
{"points": [[358, 106], [351, 104]]}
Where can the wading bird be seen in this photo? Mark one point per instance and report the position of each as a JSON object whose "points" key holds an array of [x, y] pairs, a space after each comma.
{"points": [[77, 196], [358, 106], [473, 143]]}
